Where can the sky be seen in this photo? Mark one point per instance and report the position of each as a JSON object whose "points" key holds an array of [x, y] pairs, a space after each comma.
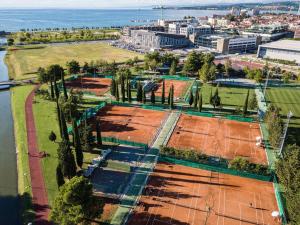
{"points": [[105, 3]]}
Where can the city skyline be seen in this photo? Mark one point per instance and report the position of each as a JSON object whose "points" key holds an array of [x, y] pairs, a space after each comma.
{"points": [[89, 4]]}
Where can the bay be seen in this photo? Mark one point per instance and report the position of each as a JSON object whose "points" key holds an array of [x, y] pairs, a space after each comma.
{"points": [[16, 19]]}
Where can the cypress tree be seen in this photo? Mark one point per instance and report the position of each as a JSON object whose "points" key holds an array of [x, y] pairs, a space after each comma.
{"points": [[191, 98], [139, 92], [172, 97], [123, 89], [77, 144], [98, 134], [144, 97], [66, 160], [64, 85], [210, 96], [58, 118], [200, 103], [51, 90], [129, 91], [117, 92], [65, 135], [196, 97], [163, 93], [56, 89], [246, 104], [113, 87], [152, 97], [169, 96], [59, 176]]}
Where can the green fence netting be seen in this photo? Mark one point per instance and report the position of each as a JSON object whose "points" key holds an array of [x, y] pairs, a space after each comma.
{"points": [[175, 77], [240, 118], [204, 114], [89, 113], [215, 168], [279, 200], [153, 107], [125, 142]]}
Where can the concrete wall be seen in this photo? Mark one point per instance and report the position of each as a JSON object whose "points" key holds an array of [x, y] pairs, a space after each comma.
{"points": [[272, 53]]}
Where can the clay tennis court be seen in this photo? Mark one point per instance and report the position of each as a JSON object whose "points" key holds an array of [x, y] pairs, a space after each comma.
{"points": [[178, 195], [97, 85], [180, 88], [218, 137], [130, 123]]}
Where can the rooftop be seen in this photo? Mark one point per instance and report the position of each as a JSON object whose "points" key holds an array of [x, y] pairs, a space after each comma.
{"points": [[284, 44]]}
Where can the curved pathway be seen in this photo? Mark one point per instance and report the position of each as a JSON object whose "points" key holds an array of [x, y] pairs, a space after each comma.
{"points": [[39, 193]]}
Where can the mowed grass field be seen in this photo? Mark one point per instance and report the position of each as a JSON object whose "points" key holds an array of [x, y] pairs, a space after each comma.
{"points": [[288, 99], [46, 121], [18, 98], [230, 96], [24, 61]]}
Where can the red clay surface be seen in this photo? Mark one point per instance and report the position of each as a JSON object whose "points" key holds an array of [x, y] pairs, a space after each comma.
{"points": [[178, 195], [180, 88], [239, 64], [98, 86], [218, 137], [39, 193], [130, 123]]}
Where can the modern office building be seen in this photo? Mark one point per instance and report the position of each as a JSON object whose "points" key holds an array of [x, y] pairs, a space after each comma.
{"points": [[280, 50], [268, 32], [228, 44], [158, 40], [127, 30]]}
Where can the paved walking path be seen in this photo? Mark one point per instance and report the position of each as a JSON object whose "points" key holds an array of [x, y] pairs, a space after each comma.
{"points": [[140, 178], [39, 193]]}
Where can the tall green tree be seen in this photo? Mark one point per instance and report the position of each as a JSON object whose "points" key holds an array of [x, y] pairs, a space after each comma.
{"points": [[117, 91], [129, 91], [172, 97], [113, 87], [122, 80], [66, 159], [139, 95], [191, 98], [43, 76], [76, 204], [253, 102], [98, 134], [245, 109], [196, 100], [144, 99], [169, 95], [200, 103], [163, 93], [56, 90], [193, 63], [59, 176], [87, 138], [64, 131], [55, 71], [73, 67], [77, 144], [288, 172], [64, 86], [152, 97], [173, 68]]}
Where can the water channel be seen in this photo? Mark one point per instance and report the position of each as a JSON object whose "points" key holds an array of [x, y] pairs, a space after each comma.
{"points": [[9, 210]]}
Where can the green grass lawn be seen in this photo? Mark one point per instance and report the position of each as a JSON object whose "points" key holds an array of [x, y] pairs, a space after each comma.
{"points": [[19, 95], [288, 99], [24, 61], [230, 96]]}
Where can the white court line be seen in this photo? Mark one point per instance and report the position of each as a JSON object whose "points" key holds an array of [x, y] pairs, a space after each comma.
{"points": [[255, 208], [262, 213], [240, 213], [206, 137], [198, 194], [191, 203], [224, 204], [219, 205]]}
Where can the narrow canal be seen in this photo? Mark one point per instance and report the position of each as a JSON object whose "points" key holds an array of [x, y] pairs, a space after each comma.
{"points": [[9, 210]]}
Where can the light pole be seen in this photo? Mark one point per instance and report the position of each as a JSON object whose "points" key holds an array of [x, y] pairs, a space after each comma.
{"points": [[289, 116], [266, 83]]}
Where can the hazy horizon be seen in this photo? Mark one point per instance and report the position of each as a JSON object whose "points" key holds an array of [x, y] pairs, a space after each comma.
{"points": [[108, 4]]}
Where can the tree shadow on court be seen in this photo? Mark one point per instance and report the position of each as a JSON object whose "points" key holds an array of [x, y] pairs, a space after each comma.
{"points": [[180, 173], [176, 179], [110, 126], [155, 193], [239, 219], [141, 218]]}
